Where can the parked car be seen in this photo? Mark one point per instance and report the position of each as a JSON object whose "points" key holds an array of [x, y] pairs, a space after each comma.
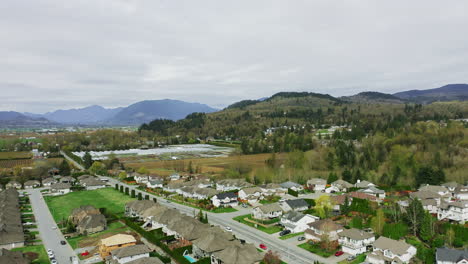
{"points": [[339, 253], [284, 232], [53, 261], [242, 241], [262, 246], [63, 242], [301, 238], [227, 228]]}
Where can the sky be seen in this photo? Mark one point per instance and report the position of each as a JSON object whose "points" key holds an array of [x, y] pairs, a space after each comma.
{"points": [[57, 54]]}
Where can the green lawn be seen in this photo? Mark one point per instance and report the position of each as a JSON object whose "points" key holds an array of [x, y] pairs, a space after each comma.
{"points": [[269, 230], [291, 235], [109, 198], [42, 259], [115, 227], [224, 210], [315, 248]]}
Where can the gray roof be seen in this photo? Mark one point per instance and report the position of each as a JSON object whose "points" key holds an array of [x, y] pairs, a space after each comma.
{"points": [[60, 186], [316, 181], [451, 255], [268, 208], [146, 260], [93, 221], [214, 240], [355, 234], [451, 184], [130, 251], [140, 206], [290, 184], [342, 184], [293, 216], [372, 189], [297, 203], [230, 195], [92, 182], [363, 184], [251, 190], [237, 253], [326, 225], [48, 180], [433, 188], [395, 246], [11, 228], [12, 257], [156, 181], [32, 182], [424, 195], [461, 189]]}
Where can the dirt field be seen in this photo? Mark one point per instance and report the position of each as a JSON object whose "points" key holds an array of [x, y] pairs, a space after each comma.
{"points": [[9, 164], [15, 155]]}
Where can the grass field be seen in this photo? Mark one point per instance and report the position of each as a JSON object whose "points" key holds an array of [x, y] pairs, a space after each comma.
{"points": [[111, 199], [315, 248], [15, 155], [268, 230], [42, 259], [93, 239]]}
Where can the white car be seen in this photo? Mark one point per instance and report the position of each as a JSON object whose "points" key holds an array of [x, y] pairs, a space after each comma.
{"points": [[227, 228], [49, 251], [53, 261], [54, 227]]}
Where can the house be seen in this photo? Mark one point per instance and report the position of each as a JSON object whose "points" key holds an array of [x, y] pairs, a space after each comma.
{"points": [[32, 184], [213, 241], [228, 199], [107, 245], [81, 212], [84, 177], [68, 179], [461, 193], [47, 182], [92, 224], [187, 229], [267, 211], [297, 222], [272, 189], [326, 227], [251, 194], [92, 183], [338, 201], [317, 184], [136, 208], [363, 184], [157, 183], [451, 186], [11, 227], [130, 253], [354, 241], [145, 260], [235, 253], [173, 186], [232, 184], [430, 200], [13, 184], [341, 185], [140, 178], [60, 188], [292, 185], [386, 250], [205, 193], [174, 177], [441, 190], [13, 257], [295, 205], [454, 211], [364, 196], [451, 256], [374, 192]]}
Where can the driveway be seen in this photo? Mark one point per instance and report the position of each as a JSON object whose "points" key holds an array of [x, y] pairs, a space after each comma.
{"points": [[50, 237]]}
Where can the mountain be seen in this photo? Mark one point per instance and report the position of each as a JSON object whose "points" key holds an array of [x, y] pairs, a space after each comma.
{"points": [[448, 92], [146, 111], [88, 115], [12, 119], [373, 97]]}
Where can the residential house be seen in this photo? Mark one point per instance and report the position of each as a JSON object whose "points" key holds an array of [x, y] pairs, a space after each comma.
{"points": [[174, 177], [292, 185], [173, 187], [295, 205], [341, 185], [430, 200], [205, 193], [32, 184], [92, 183], [441, 190], [267, 211], [461, 193], [68, 179], [11, 227], [454, 211], [13, 257], [374, 192], [236, 253], [326, 227], [228, 199], [107, 245], [317, 184], [157, 183], [272, 189], [60, 188], [145, 260], [84, 177], [297, 222], [251, 194], [13, 185], [140, 178], [91, 224], [338, 201], [363, 184], [451, 186], [231, 185], [136, 208], [187, 229], [130, 253], [386, 250], [364, 196], [81, 212], [213, 241], [47, 182], [355, 241], [451, 256]]}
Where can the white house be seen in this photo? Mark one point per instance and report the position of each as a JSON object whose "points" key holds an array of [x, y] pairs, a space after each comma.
{"points": [[341, 185], [317, 184], [451, 186], [140, 178], [295, 205], [292, 185], [130, 253], [297, 222], [60, 188], [251, 194], [387, 250], [13, 184], [232, 184], [332, 189], [272, 189], [441, 190], [455, 211], [228, 199], [32, 184], [451, 256], [92, 183], [47, 182], [354, 241], [174, 177], [155, 184], [363, 184], [267, 211], [461, 193], [326, 227], [374, 192]]}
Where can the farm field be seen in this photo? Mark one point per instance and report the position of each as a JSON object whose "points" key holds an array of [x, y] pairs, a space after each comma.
{"points": [[9, 164], [111, 199], [11, 155]]}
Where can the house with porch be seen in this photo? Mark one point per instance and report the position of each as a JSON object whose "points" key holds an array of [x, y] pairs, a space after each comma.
{"points": [[386, 250], [317, 184], [251, 194], [60, 188], [227, 199], [453, 211], [355, 241], [297, 222], [323, 228], [232, 184], [267, 211], [292, 185], [341, 185]]}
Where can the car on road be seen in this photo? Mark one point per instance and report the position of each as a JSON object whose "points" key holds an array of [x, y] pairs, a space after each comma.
{"points": [[285, 232], [263, 246], [54, 227], [53, 261], [49, 251], [339, 253], [63, 242], [301, 238], [227, 228], [51, 255]]}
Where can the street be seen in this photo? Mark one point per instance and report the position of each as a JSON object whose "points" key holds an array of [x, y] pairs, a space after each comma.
{"points": [[45, 223]]}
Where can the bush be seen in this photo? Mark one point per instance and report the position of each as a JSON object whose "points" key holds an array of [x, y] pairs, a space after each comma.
{"points": [[293, 193]]}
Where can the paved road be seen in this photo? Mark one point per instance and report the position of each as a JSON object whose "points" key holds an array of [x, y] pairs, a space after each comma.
{"points": [[45, 223], [76, 164], [289, 252]]}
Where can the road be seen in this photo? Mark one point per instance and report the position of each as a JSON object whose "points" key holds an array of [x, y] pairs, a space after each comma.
{"points": [[50, 237], [289, 252], [76, 164]]}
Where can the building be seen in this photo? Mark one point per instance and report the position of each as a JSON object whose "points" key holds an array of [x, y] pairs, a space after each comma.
{"points": [[232, 184], [92, 183], [174, 177], [148, 260], [297, 222], [454, 211], [386, 250], [156, 183], [109, 244], [272, 189], [228, 199], [236, 253], [363, 184], [60, 188], [213, 241], [380, 194], [47, 182], [451, 256], [130, 253], [32, 184], [81, 212], [326, 227], [441, 190], [68, 179], [92, 224], [267, 211], [136, 208], [292, 185], [13, 185], [295, 205], [451, 186], [251, 194], [13, 257], [354, 241], [11, 228], [140, 178], [430, 200], [317, 184], [461, 193], [341, 185], [364, 196]]}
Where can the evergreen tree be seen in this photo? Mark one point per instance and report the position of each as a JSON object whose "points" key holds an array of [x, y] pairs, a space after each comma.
{"points": [[414, 214], [346, 175], [345, 207], [87, 160], [427, 227], [378, 222], [140, 196], [132, 194], [332, 177], [64, 168]]}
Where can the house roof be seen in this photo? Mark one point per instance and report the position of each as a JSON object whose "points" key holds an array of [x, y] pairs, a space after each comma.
{"points": [[31, 183], [372, 189], [269, 208], [316, 181], [48, 180], [208, 192], [326, 225], [363, 184], [293, 216], [297, 203], [338, 199], [342, 184], [140, 206], [130, 251], [240, 183], [422, 195], [60, 186], [92, 221], [433, 188], [156, 181], [236, 253], [451, 184], [230, 195], [92, 182], [154, 211], [461, 189], [361, 195], [451, 255], [146, 260], [11, 228], [12, 257], [214, 240], [118, 239], [271, 186], [395, 246], [251, 190], [290, 184], [355, 234]]}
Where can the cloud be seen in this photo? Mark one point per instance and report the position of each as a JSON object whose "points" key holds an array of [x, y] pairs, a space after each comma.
{"points": [[116, 52]]}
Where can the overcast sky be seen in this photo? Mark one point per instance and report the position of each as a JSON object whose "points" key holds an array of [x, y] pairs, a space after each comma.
{"points": [[65, 54]]}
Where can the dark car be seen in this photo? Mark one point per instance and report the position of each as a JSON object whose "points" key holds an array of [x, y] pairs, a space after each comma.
{"points": [[63, 242], [284, 232], [301, 238], [339, 253], [242, 241]]}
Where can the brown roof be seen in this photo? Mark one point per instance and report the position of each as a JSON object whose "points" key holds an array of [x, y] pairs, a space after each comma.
{"points": [[130, 251], [237, 253], [396, 247], [355, 234], [361, 195], [118, 239], [326, 225], [12, 257]]}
